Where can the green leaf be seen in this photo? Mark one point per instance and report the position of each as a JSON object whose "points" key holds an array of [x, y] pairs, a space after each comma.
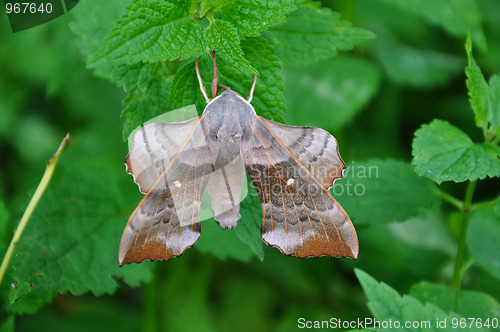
{"points": [[248, 229], [366, 186], [268, 101], [150, 31], [71, 242], [483, 240], [414, 67], [241, 242], [312, 33], [386, 304], [494, 104], [251, 16], [457, 17], [147, 85], [222, 37], [334, 91], [463, 302], [185, 89], [477, 88], [222, 243], [443, 152]]}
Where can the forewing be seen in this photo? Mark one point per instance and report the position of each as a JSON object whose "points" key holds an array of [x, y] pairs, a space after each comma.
{"points": [[291, 169], [167, 221], [155, 145]]}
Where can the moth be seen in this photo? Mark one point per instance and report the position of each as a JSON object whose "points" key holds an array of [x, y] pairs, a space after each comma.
{"points": [[290, 167]]}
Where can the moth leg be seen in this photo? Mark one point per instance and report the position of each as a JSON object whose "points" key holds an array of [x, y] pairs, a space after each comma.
{"points": [[250, 96], [215, 87], [202, 87]]}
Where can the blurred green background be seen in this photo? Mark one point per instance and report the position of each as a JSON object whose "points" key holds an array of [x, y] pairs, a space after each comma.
{"points": [[372, 99]]}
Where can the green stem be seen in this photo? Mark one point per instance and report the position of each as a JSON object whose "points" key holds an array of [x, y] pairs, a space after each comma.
{"points": [[49, 170], [451, 200], [484, 205], [457, 273]]}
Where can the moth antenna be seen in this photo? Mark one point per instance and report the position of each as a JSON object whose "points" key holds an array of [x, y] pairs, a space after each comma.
{"points": [[250, 96], [215, 90], [202, 87]]}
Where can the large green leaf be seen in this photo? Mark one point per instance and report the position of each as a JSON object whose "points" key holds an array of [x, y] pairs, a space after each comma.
{"points": [[443, 152], [387, 305], [71, 242], [312, 33], [147, 85], [463, 302], [150, 31], [330, 93], [222, 37], [268, 101], [483, 239], [251, 16], [367, 187]]}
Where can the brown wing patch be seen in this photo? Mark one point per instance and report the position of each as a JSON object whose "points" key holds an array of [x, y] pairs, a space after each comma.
{"points": [[167, 221], [300, 217]]}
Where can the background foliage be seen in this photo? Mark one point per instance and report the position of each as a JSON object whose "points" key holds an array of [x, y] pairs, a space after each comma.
{"points": [[391, 79]]}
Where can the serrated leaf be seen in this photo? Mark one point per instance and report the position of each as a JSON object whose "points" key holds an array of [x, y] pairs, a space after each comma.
{"points": [[366, 186], [312, 33], [457, 17], [463, 302], [150, 31], [71, 241], [333, 91], [483, 239], [268, 101], [387, 305], [477, 88], [494, 103], [185, 89], [252, 16], [222, 37], [147, 86], [443, 152]]}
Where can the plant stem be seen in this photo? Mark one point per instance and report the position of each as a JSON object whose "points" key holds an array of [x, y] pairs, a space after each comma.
{"points": [[484, 205], [451, 200], [457, 273], [49, 170]]}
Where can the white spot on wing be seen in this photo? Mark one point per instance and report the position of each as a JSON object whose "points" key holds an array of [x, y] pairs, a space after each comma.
{"points": [[177, 184], [290, 182]]}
